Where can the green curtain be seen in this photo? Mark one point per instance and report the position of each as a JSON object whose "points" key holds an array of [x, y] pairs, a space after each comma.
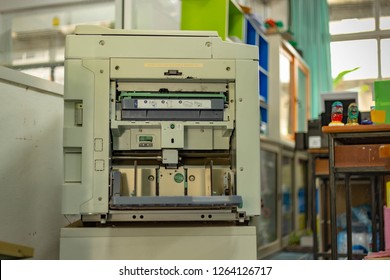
{"points": [[309, 23]]}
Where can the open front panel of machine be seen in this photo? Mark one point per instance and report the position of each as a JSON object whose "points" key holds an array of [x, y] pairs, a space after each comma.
{"points": [[160, 127], [171, 145]]}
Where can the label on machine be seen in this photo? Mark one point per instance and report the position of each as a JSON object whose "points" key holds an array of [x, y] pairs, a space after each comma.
{"points": [[172, 104]]}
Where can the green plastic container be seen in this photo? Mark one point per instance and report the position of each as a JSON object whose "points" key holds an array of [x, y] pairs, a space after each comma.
{"points": [[382, 97]]}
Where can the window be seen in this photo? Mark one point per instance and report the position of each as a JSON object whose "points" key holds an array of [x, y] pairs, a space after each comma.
{"points": [[384, 20], [351, 17], [360, 35], [352, 54], [34, 41], [352, 25], [385, 58]]}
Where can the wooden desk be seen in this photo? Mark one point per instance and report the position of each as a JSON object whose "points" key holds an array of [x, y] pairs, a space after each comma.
{"points": [[354, 150], [14, 251]]}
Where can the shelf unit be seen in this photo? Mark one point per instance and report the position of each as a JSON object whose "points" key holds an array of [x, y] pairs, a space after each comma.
{"points": [[255, 36], [223, 16]]}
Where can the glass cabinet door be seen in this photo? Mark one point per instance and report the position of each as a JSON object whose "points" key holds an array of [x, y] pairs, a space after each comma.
{"points": [[266, 223], [303, 97], [301, 199], [286, 113], [287, 195], [294, 93]]}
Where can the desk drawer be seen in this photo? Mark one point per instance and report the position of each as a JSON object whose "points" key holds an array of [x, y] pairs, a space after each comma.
{"points": [[359, 156]]}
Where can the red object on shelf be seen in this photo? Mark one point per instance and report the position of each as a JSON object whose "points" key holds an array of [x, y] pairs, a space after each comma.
{"points": [[270, 22]]}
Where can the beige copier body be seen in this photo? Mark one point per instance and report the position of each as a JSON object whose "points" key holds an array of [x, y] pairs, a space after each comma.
{"points": [[161, 145]]}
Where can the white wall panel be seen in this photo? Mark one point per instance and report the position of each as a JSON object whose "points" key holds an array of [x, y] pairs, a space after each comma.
{"points": [[31, 116]]}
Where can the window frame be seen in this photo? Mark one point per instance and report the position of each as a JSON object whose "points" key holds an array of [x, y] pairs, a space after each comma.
{"points": [[377, 35]]}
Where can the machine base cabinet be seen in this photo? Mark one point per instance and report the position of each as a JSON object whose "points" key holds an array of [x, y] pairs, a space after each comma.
{"points": [[159, 243]]}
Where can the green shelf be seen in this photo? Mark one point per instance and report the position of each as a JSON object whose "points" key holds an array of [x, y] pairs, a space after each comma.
{"points": [[222, 16]]}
